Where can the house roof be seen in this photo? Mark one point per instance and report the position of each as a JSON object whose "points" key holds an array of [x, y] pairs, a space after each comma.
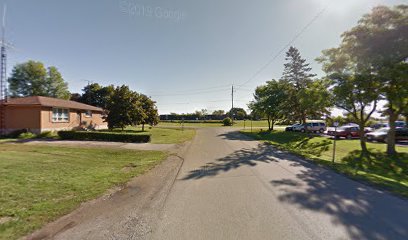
{"points": [[50, 102]]}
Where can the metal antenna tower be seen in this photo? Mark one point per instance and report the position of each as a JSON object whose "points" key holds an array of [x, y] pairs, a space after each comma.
{"points": [[3, 86], [3, 76]]}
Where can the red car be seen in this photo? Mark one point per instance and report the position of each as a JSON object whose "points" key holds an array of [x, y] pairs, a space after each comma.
{"points": [[347, 132]]}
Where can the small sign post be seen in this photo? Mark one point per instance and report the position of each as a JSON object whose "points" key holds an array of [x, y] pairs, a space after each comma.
{"points": [[335, 124]]}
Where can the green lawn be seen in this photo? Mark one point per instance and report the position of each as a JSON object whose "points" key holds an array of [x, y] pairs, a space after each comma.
{"points": [[163, 135], [40, 183], [378, 169]]}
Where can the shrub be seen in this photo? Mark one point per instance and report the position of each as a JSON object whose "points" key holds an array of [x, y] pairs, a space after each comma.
{"points": [[104, 136], [227, 121], [47, 134], [16, 133], [27, 135]]}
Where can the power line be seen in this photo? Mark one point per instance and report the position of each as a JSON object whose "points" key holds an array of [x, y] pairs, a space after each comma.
{"points": [[196, 89], [189, 93], [286, 46]]}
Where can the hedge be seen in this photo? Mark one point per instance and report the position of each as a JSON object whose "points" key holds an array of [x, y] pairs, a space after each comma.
{"points": [[104, 136]]}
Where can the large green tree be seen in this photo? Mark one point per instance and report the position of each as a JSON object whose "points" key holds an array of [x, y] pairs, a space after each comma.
{"points": [[32, 78], [150, 113], [300, 104], [270, 101], [358, 96], [124, 108], [377, 47], [97, 95]]}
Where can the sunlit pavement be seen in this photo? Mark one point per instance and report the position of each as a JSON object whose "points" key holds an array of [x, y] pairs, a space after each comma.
{"points": [[231, 187]]}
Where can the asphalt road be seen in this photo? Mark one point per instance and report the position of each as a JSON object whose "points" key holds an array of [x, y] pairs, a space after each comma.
{"points": [[231, 187]]}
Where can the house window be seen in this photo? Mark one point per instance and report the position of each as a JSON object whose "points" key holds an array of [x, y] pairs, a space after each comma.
{"points": [[88, 113], [60, 115]]}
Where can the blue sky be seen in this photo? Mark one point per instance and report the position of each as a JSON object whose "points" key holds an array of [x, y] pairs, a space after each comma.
{"points": [[185, 54]]}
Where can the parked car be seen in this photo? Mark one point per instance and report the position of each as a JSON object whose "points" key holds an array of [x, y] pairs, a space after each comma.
{"points": [[312, 127], [401, 124], [351, 124], [398, 124], [297, 128], [379, 126], [381, 135], [375, 126], [291, 128], [346, 131]]}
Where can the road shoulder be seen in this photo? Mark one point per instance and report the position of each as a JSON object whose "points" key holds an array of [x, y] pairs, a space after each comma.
{"points": [[127, 211]]}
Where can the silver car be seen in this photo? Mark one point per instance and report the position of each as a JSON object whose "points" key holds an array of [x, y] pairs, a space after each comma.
{"points": [[311, 127]]}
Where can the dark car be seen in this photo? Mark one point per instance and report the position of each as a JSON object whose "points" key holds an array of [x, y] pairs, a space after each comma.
{"points": [[381, 135], [292, 127], [348, 132]]}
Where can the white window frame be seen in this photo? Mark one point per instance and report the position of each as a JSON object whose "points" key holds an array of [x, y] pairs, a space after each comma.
{"points": [[88, 113], [60, 115]]}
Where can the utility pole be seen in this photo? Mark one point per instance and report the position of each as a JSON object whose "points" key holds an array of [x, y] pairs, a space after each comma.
{"points": [[232, 104], [336, 124], [88, 82]]}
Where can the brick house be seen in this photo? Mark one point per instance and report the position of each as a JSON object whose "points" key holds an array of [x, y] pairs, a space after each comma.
{"points": [[39, 114]]}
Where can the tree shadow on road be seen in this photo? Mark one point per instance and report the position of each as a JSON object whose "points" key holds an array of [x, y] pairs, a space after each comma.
{"points": [[235, 135], [364, 212], [247, 156]]}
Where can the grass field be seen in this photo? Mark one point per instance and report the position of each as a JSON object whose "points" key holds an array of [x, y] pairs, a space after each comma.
{"points": [[40, 183], [164, 135], [237, 123], [378, 169]]}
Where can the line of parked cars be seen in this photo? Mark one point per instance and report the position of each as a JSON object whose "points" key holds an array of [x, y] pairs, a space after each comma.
{"points": [[381, 135], [376, 132]]}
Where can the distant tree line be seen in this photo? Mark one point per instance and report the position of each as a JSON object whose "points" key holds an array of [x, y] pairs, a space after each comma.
{"points": [[203, 114], [369, 65]]}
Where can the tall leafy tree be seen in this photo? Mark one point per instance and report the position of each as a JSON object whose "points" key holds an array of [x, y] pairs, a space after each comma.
{"points": [[270, 101], [298, 74], [124, 108], [150, 113], [377, 46], [358, 96], [75, 97], [316, 98], [379, 42], [96, 95], [32, 78], [55, 85]]}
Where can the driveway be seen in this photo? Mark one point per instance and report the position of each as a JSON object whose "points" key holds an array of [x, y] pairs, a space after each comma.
{"points": [[232, 187]]}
